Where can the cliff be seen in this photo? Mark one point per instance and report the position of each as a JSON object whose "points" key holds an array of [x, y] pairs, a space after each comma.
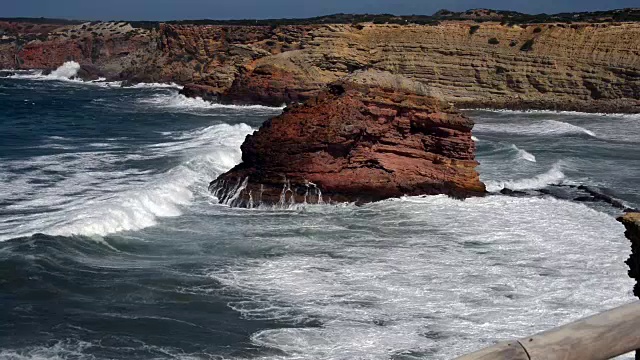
{"points": [[368, 137], [631, 221], [579, 66], [584, 67]]}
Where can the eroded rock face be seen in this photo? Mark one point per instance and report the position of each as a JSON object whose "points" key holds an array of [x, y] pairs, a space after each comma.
{"points": [[368, 137], [580, 66], [631, 221]]}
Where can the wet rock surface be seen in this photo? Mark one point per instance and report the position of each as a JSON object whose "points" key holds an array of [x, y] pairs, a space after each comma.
{"points": [[368, 137]]}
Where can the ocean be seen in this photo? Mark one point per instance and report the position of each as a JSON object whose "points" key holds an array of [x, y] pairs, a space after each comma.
{"points": [[111, 246]]}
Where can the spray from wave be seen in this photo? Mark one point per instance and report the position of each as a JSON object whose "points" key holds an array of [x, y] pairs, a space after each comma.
{"points": [[68, 72], [542, 128], [554, 176]]}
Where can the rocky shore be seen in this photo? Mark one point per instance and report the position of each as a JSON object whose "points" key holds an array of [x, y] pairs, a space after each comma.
{"points": [[588, 66], [631, 221], [368, 137]]}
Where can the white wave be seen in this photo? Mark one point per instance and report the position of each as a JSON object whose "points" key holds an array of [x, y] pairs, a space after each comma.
{"points": [[69, 72], [540, 128], [475, 138], [462, 275], [524, 154], [559, 113], [99, 200], [156, 86], [552, 177], [179, 101]]}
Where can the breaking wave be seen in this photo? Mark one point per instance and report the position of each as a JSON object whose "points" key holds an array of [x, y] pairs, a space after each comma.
{"points": [[179, 101], [523, 154], [96, 201], [69, 72], [552, 112], [544, 128], [554, 176]]}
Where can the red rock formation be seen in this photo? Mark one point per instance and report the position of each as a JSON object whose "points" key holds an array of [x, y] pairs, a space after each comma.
{"points": [[368, 137]]}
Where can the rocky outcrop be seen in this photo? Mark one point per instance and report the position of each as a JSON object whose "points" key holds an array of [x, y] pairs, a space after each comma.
{"points": [[368, 137], [579, 66], [631, 221]]}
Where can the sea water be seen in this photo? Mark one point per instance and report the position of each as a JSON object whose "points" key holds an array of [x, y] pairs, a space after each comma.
{"points": [[111, 246]]}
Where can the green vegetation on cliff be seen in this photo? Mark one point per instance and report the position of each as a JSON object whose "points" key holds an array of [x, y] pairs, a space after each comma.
{"points": [[478, 15]]}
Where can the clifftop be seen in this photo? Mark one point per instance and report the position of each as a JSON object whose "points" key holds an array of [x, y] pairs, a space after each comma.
{"points": [[480, 15]]}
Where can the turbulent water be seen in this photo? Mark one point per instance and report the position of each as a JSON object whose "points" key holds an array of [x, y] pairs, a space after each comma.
{"points": [[111, 246]]}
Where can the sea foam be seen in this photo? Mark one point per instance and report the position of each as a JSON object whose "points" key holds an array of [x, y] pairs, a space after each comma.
{"points": [[533, 128], [463, 274], [97, 201], [68, 72], [557, 113], [553, 176], [180, 102]]}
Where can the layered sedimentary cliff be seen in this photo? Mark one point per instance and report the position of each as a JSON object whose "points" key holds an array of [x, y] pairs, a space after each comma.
{"points": [[370, 136], [580, 66], [571, 67], [631, 222]]}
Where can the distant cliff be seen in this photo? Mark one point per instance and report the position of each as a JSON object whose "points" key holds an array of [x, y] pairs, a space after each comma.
{"points": [[587, 66]]}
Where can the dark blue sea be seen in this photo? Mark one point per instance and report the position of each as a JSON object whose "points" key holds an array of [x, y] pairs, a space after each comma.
{"points": [[111, 247]]}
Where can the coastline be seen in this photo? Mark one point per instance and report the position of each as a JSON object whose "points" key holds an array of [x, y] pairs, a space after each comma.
{"points": [[586, 67]]}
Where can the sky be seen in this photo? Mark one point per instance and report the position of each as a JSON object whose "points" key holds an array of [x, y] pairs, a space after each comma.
{"points": [[263, 9]]}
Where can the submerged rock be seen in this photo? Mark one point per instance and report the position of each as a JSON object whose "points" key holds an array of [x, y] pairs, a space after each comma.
{"points": [[368, 137]]}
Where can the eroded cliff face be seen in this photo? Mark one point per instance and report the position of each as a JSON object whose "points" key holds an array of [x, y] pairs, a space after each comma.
{"points": [[631, 221], [570, 67], [584, 67], [368, 137]]}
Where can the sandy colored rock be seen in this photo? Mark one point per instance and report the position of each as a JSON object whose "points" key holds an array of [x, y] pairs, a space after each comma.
{"points": [[580, 66]]}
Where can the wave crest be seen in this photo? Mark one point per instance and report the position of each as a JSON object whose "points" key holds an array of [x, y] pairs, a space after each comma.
{"points": [[523, 154], [69, 72], [554, 176], [95, 201], [179, 101], [542, 128]]}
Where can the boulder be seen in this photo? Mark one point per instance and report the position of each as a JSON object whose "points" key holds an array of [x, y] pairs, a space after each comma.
{"points": [[367, 137]]}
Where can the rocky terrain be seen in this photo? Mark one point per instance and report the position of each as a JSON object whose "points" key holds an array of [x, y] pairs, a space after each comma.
{"points": [[479, 58], [368, 137], [631, 221]]}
